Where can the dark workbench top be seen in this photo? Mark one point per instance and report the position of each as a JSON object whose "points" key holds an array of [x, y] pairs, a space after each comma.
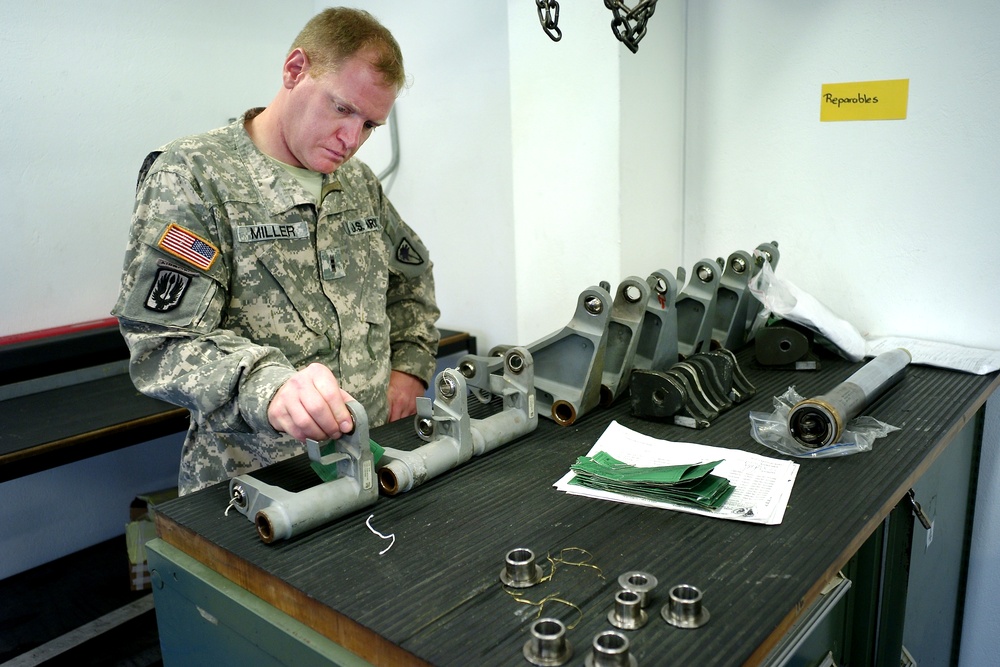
{"points": [[436, 593]]}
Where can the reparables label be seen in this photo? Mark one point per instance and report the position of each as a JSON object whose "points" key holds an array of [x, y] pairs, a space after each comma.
{"points": [[864, 100]]}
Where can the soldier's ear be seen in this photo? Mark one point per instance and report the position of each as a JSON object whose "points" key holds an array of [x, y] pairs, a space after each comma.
{"points": [[296, 67]]}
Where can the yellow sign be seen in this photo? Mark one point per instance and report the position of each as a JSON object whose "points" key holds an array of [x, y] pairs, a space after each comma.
{"points": [[864, 100]]}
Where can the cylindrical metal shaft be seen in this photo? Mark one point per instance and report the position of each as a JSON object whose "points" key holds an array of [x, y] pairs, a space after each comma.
{"points": [[820, 421]]}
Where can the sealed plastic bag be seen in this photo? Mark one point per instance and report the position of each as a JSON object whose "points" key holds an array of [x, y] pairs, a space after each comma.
{"points": [[771, 430]]}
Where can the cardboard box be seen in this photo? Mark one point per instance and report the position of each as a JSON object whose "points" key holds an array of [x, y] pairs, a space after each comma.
{"points": [[139, 530]]}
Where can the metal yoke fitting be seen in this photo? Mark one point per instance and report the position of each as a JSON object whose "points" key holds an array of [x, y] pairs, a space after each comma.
{"points": [[280, 514]]}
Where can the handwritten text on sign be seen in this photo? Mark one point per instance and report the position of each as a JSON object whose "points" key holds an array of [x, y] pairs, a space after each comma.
{"points": [[864, 100]]}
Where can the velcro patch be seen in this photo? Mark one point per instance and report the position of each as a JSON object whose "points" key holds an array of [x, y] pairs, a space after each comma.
{"points": [[407, 254], [167, 290], [188, 246], [353, 227], [269, 232]]}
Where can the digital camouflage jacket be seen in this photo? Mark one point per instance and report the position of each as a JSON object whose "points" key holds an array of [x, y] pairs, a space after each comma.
{"points": [[234, 278]]}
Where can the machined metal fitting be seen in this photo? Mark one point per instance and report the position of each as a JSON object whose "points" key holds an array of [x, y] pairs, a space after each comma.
{"points": [[610, 649], [627, 613], [684, 608], [239, 498], [520, 569], [548, 645], [594, 305], [447, 387], [641, 583]]}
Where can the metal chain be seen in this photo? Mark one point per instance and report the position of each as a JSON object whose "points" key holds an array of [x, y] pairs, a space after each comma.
{"points": [[548, 16], [629, 25]]}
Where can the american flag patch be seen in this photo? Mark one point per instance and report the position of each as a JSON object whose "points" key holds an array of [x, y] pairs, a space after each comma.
{"points": [[193, 249]]}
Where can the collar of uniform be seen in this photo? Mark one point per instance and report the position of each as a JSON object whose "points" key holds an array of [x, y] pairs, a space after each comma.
{"points": [[280, 191]]}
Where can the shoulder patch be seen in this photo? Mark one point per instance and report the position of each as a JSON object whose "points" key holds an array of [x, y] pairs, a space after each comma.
{"points": [[188, 246], [407, 254], [167, 290]]}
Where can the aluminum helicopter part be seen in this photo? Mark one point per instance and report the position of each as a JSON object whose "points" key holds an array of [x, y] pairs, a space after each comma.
{"points": [[732, 301], [696, 309], [641, 583], [699, 407], [670, 395], [520, 569], [548, 646], [709, 381], [785, 344], [765, 252], [692, 392], [610, 649], [569, 363], [452, 436], [280, 514], [742, 388], [657, 346], [719, 371], [627, 613], [684, 608], [627, 314], [820, 421]]}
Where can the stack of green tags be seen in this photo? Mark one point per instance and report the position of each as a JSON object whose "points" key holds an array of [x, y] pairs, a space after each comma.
{"points": [[328, 472], [688, 485]]}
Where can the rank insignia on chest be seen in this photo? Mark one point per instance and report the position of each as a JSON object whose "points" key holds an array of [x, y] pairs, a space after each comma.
{"points": [[189, 247], [331, 264], [407, 254], [354, 227]]}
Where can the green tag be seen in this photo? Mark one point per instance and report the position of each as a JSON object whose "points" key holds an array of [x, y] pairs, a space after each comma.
{"points": [[329, 472], [690, 485]]}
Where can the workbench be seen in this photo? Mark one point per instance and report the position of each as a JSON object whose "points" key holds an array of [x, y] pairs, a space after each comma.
{"points": [[435, 597]]}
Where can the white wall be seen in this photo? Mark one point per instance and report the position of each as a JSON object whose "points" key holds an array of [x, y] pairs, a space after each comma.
{"points": [[453, 185], [892, 224], [89, 90]]}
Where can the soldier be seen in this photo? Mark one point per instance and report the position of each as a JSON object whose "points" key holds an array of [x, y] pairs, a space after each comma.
{"points": [[268, 279]]}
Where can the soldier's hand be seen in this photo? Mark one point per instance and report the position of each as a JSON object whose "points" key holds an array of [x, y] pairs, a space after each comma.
{"points": [[403, 392], [312, 405]]}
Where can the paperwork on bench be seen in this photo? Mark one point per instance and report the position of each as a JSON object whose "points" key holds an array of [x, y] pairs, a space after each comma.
{"points": [[763, 485]]}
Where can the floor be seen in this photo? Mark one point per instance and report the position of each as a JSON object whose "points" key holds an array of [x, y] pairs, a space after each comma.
{"points": [[78, 610]]}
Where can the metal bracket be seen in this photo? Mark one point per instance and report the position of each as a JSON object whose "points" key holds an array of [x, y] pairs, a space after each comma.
{"points": [[280, 514], [452, 436], [568, 364], [627, 314], [733, 300], [765, 252], [657, 347], [696, 309]]}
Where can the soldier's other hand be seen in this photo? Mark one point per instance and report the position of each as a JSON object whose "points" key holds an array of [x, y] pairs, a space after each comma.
{"points": [[311, 405], [403, 392]]}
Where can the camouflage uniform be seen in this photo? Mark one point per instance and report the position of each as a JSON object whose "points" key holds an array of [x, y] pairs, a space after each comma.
{"points": [[233, 280]]}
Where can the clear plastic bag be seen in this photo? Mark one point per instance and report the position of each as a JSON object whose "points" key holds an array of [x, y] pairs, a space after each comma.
{"points": [[771, 430]]}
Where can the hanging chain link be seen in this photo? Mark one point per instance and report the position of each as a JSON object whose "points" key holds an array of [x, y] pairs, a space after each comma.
{"points": [[548, 16], [629, 25]]}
